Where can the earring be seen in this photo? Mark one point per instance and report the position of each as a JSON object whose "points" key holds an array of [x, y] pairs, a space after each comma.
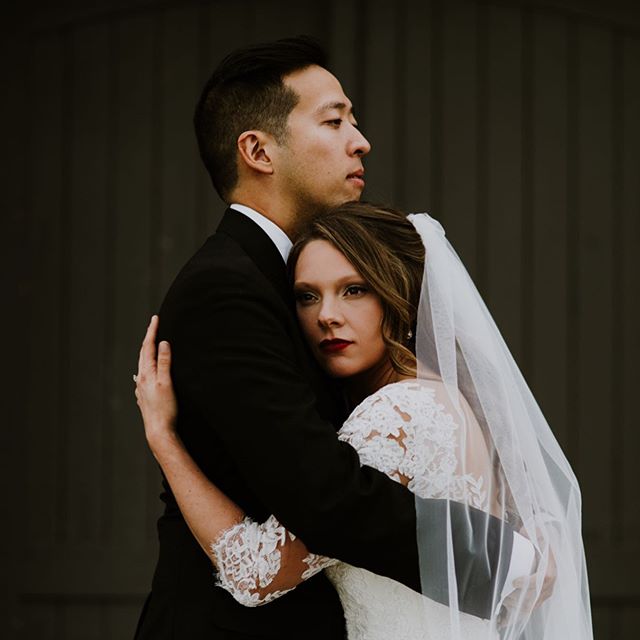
{"points": [[409, 335]]}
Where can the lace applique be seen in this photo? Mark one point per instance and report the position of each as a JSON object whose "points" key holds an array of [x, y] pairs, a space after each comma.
{"points": [[403, 431], [316, 564], [248, 556]]}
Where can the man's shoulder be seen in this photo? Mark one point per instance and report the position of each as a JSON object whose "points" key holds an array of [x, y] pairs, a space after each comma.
{"points": [[219, 259], [219, 270]]}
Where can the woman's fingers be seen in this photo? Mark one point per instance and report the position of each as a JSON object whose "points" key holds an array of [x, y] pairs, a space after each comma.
{"points": [[147, 359], [164, 363]]}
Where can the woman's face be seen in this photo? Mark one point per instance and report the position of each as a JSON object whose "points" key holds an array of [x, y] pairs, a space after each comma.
{"points": [[340, 316]]}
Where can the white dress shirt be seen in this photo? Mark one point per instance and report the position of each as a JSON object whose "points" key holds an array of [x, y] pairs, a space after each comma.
{"points": [[277, 235]]}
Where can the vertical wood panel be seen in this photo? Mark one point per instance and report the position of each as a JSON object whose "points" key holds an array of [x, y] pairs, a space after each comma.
{"points": [[603, 623], [123, 620], [37, 621], [107, 452], [177, 96], [344, 52], [380, 98], [627, 434], [284, 19], [42, 429], [501, 226], [572, 241], [87, 261], [416, 144], [628, 623], [460, 129], [17, 286], [84, 622], [548, 375], [436, 109], [594, 366]]}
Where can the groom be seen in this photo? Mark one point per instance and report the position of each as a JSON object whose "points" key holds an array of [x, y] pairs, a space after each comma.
{"points": [[281, 144]]}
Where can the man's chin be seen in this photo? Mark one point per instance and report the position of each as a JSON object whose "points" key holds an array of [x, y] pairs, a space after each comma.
{"points": [[313, 210]]}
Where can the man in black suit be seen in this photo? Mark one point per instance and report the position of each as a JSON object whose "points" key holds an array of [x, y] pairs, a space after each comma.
{"points": [[280, 141]]}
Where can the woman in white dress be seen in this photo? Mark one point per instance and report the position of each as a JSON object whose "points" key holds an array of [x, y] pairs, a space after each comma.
{"points": [[438, 405]]}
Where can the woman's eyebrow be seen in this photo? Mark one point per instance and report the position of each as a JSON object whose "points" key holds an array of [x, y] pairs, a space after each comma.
{"points": [[350, 277]]}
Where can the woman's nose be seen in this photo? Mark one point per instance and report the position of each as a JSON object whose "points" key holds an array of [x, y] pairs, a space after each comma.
{"points": [[329, 314]]}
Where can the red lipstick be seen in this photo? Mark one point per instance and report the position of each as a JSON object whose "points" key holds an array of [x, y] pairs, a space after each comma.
{"points": [[334, 346]]}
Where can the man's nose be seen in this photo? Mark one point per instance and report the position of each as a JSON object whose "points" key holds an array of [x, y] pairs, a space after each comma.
{"points": [[361, 145]]}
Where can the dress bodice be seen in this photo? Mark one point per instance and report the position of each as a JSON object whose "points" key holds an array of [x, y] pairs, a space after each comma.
{"points": [[405, 431]]}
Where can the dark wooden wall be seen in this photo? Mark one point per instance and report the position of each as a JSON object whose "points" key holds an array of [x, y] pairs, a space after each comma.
{"points": [[517, 125]]}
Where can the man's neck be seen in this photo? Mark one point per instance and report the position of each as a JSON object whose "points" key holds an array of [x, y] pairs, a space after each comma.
{"points": [[274, 211]]}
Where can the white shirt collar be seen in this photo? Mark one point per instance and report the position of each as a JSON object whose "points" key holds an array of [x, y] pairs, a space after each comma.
{"points": [[277, 235]]}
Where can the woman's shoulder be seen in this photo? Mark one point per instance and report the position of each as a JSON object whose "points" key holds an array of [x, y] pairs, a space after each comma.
{"points": [[405, 394], [396, 406]]}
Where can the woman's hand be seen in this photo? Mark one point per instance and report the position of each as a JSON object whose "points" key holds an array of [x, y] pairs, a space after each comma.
{"points": [[154, 390]]}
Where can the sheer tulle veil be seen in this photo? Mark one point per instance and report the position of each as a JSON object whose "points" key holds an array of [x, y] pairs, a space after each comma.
{"points": [[507, 462]]}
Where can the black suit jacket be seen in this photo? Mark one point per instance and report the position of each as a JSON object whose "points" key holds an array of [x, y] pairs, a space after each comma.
{"points": [[260, 419]]}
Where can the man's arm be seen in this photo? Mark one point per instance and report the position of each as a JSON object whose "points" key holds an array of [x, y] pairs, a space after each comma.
{"points": [[235, 363]]}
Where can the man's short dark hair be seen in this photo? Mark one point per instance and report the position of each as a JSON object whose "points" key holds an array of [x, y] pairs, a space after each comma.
{"points": [[246, 91]]}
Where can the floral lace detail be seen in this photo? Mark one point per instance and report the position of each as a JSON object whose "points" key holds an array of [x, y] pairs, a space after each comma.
{"points": [[405, 432], [248, 556], [316, 564]]}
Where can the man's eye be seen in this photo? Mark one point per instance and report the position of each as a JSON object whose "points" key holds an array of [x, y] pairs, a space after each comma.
{"points": [[336, 122]]}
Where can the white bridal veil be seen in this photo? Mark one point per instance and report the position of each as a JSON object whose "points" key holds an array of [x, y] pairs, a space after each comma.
{"points": [[506, 464]]}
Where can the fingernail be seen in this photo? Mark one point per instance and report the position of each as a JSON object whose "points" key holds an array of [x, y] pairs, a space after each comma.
{"points": [[164, 346]]}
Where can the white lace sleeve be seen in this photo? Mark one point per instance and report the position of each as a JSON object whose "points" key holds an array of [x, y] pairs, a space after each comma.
{"points": [[406, 431], [258, 562]]}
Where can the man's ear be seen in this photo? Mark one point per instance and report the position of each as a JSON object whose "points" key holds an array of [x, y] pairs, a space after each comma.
{"points": [[253, 147]]}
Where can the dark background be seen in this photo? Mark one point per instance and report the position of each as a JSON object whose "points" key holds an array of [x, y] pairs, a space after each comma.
{"points": [[516, 124]]}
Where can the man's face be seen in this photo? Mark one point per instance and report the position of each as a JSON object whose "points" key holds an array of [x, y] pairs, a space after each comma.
{"points": [[320, 164]]}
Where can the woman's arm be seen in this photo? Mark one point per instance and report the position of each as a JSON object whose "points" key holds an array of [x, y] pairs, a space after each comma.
{"points": [[256, 562]]}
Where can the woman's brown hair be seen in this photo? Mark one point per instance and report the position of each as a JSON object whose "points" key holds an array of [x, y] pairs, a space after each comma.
{"points": [[387, 251]]}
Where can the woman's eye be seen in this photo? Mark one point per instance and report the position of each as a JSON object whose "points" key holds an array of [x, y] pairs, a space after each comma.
{"points": [[304, 297], [355, 290]]}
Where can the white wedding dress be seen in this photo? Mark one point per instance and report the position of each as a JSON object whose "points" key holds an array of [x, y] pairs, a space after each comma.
{"points": [[403, 430]]}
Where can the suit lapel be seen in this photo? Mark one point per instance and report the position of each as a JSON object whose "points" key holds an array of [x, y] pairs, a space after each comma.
{"points": [[260, 248]]}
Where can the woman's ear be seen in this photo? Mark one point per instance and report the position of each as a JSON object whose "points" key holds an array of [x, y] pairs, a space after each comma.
{"points": [[253, 147]]}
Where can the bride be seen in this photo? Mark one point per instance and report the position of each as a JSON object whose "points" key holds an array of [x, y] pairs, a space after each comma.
{"points": [[439, 405]]}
